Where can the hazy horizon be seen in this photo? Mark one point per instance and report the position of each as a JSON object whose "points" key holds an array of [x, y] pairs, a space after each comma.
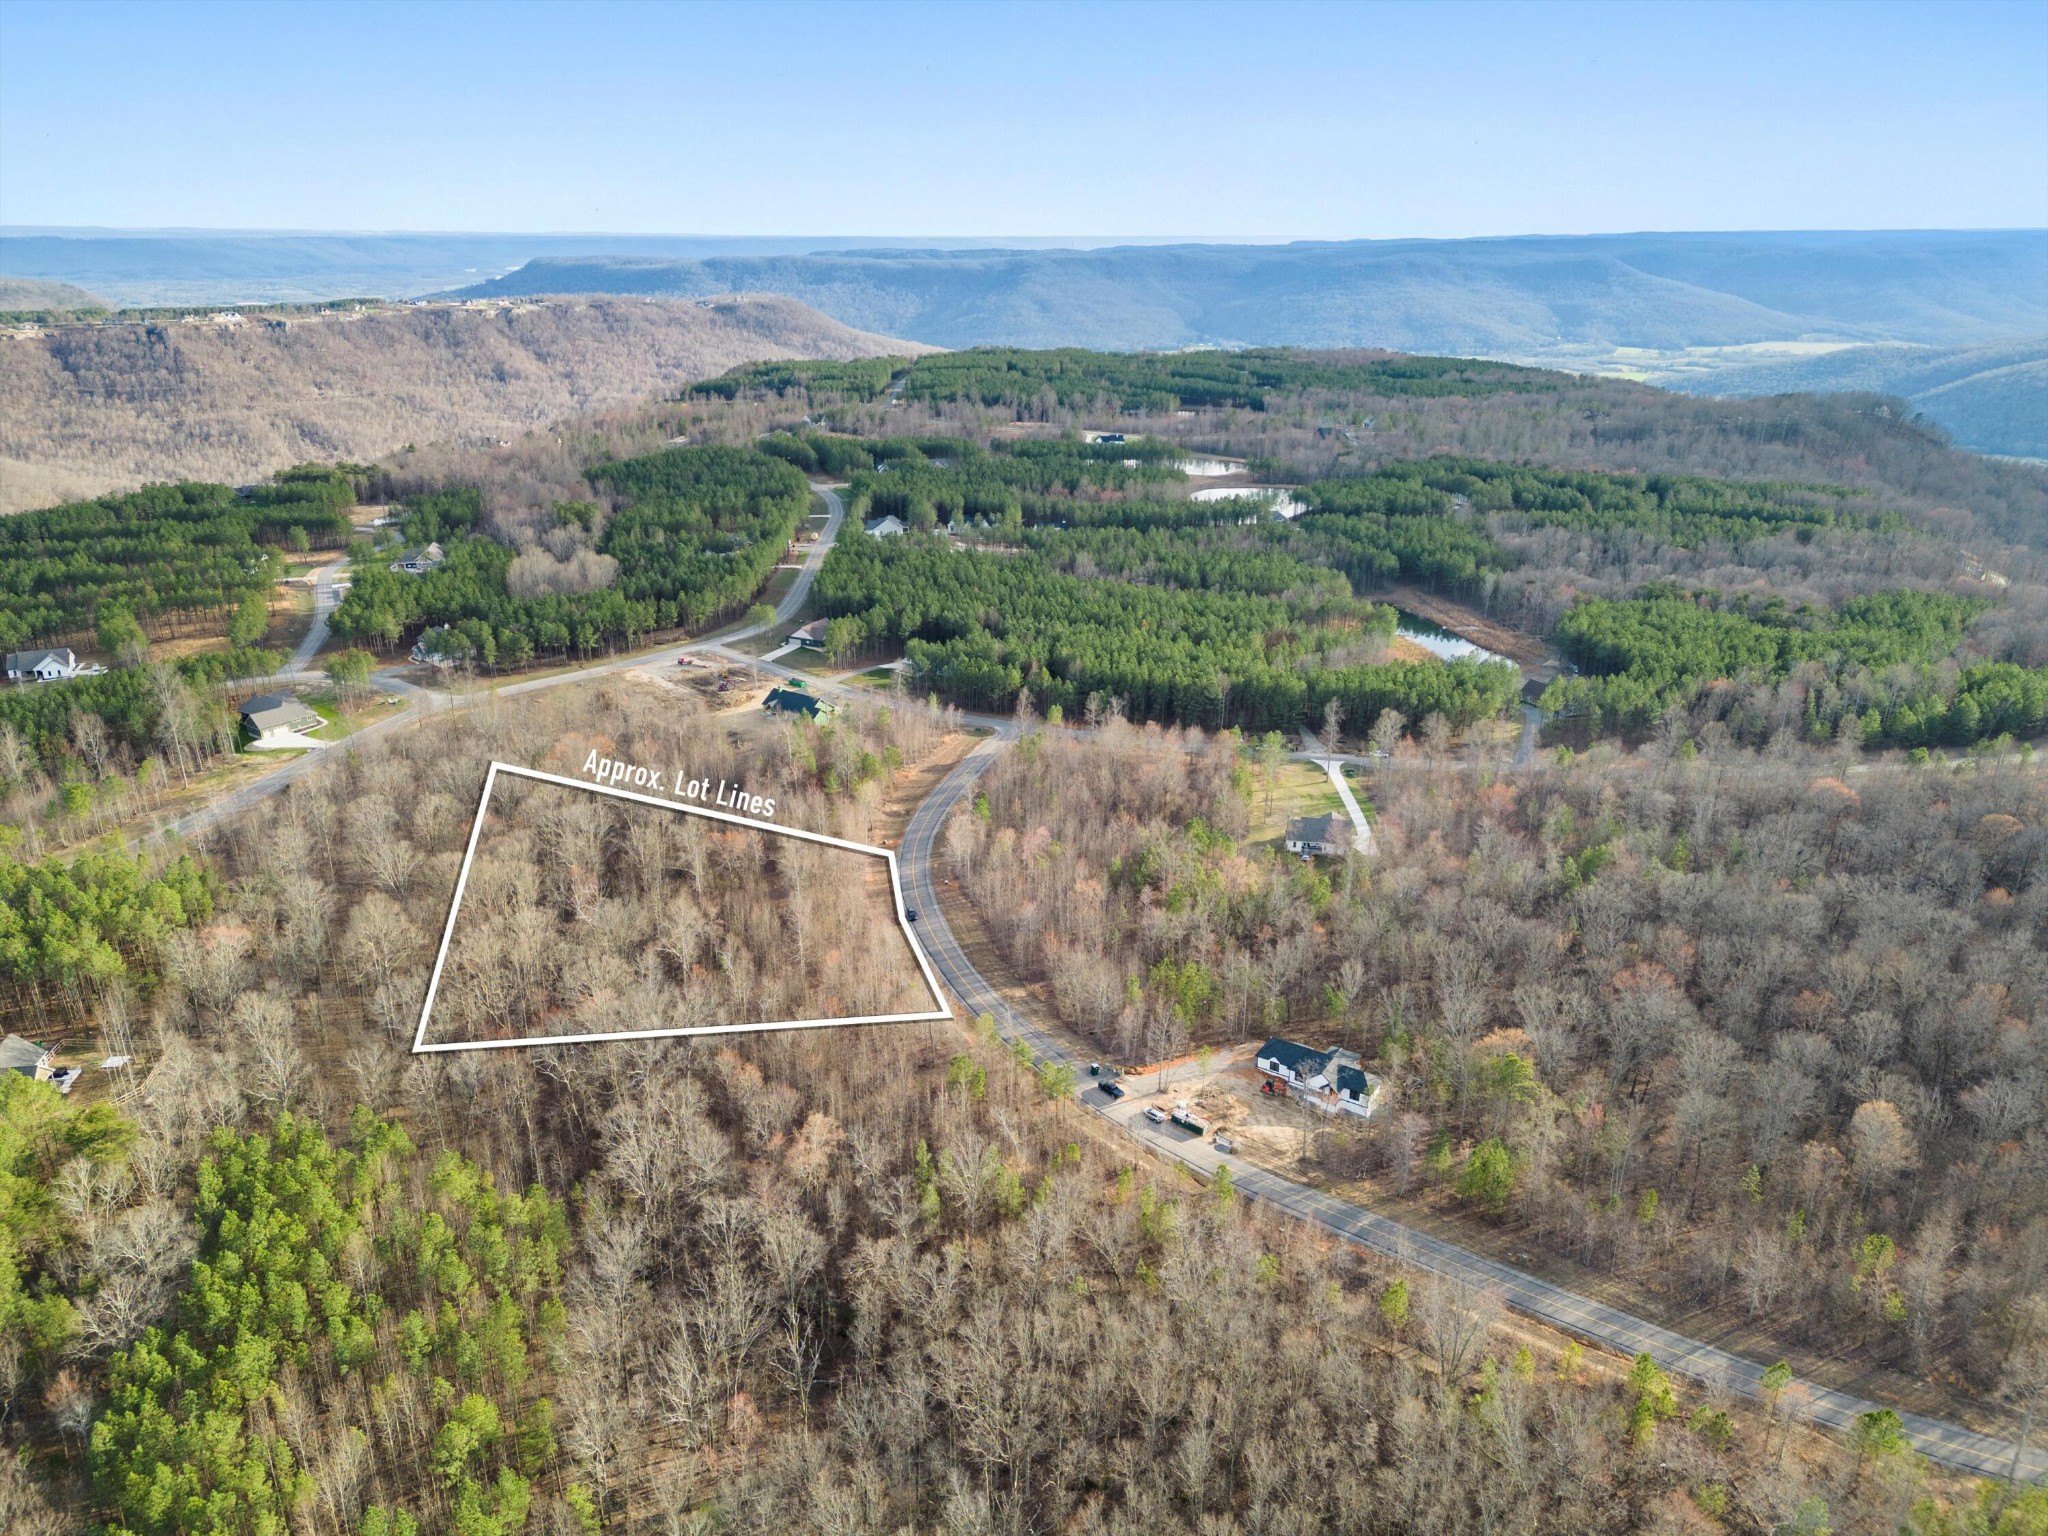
{"points": [[1305, 121], [955, 241]]}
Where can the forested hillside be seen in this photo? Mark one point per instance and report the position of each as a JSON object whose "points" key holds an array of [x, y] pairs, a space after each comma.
{"points": [[33, 294], [1854, 506], [794, 1284], [1125, 590], [1360, 409], [89, 409], [1749, 1034], [1991, 397], [1727, 1013]]}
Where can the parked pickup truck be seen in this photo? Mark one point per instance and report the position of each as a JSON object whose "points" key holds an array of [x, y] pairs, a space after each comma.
{"points": [[1111, 1088]]}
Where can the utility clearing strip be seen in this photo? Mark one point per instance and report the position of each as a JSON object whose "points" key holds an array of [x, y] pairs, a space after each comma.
{"points": [[421, 1045]]}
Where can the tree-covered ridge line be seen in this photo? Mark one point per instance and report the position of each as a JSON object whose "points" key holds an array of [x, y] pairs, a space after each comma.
{"points": [[291, 1232], [1133, 381], [697, 532], [1873, 659], [186, 552], [1247, 380], [1686, 510], [861, 379], [981, 627]]}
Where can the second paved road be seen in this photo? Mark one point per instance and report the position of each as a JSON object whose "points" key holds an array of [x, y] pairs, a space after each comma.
{"points": [[1949, 1444]]}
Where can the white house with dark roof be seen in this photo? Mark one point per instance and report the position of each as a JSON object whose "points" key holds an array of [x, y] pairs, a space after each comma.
{"points": [[42, 666], [1358, 1091], [1295, 1064], [1332, 1081]]}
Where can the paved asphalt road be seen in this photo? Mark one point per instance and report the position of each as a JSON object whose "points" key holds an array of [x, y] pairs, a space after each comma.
{"points": [[1942, 1442], [1949, 1444]]}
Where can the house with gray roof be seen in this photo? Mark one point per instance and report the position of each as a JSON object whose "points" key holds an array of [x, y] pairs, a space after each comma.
{"points": [[41, 666], [270, 715], [1328, 835], [31, 1058], [1292, 1062]]}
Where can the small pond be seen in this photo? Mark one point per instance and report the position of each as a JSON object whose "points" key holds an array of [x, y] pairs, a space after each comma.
{"points": [[1438, 641]]}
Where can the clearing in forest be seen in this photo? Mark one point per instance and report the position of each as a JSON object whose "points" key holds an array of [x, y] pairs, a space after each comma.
{"points": [[586, 913]]}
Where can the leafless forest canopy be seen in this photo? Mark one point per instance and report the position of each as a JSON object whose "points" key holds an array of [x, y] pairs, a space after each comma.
{"points": [[1759, 1031], [865, 1280], [1803, 1005], [585, 914]]}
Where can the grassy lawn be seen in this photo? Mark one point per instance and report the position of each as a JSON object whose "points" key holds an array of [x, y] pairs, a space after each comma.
{"points": [[1299, 789], [344, 722], [338, 724], [883, 678]]}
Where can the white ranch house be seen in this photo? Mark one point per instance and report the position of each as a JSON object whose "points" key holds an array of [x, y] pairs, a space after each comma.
{"points": [[45, 666]]}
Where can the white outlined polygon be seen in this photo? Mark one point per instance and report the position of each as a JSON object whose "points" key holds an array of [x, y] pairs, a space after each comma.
{"points": [[419, 1040]]}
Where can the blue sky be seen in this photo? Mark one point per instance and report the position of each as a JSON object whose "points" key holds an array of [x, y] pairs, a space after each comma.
{"points": [[1287, 121]]}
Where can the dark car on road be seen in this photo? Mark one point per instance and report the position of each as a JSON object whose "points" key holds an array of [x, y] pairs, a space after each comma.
{"points": [[1111, 1088]]}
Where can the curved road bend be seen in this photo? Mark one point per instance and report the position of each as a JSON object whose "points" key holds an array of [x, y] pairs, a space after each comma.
{"points": [[1949, 1444]]}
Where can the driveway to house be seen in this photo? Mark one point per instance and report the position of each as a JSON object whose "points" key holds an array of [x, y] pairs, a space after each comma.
{"points": [[1362, 838], [326, 598], [1610, 1327]]}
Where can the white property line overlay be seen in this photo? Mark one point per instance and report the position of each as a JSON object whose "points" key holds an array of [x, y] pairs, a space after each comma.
{"points": [[924, 965]]}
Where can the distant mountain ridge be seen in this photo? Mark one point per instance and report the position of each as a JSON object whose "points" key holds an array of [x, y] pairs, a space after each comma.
{"points": [[151, 268], [1468, 297], [1671, 309], [1992, 398], [36, 293], [1569, 302]]}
